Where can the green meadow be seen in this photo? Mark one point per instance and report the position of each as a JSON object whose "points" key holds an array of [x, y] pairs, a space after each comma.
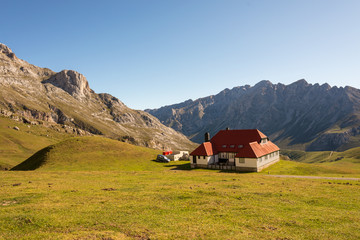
{"points": [[97, 188], [175, 204], [16, 146]]}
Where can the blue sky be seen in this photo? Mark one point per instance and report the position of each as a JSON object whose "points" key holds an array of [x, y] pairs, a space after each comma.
{"points": [[151, 53]]}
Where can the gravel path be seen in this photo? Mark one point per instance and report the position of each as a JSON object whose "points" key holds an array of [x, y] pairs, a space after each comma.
{"points": [[314, 177]]}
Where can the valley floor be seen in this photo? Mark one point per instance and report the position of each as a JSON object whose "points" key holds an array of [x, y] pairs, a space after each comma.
{"points": [[175, 203]]}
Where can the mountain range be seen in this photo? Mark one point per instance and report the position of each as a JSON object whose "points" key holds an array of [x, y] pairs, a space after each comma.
{"points": [[64, 101], [296, 116]]}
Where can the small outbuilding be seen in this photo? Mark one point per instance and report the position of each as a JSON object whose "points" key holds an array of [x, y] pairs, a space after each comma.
{"points": [[179, 155], [246, 150]]}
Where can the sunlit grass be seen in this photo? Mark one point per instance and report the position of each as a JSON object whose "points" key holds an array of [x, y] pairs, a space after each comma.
{"points": [[97, 188], [16, 146], [175, 204]]}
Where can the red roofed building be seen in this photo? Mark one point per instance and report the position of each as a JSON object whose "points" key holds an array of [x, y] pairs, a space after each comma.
{"points": [[240, 150]]}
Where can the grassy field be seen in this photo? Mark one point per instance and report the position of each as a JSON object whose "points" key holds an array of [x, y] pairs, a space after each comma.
{"points": [[168, 203], [340, 163], [96, 188], [16, 146], [92, 154]]}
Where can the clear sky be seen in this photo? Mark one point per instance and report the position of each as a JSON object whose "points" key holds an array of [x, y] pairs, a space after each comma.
{"points": [[151, 53]]}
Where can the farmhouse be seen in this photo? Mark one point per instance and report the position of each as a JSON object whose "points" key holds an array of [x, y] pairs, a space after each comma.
{"points": [[242, 150]]}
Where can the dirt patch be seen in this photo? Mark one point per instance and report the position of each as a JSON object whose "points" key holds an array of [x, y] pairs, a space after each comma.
{"points": [[7, 203], [109, 189]]}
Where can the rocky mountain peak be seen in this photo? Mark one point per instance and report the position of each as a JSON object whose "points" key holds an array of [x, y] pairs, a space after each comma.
{"points": [[7, 51], [263, 83], [300, 82], [326, 86], [71, 82]]}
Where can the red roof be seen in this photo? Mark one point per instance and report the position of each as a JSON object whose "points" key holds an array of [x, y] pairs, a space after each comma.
{"points": [[246, 143], [205, 149]]}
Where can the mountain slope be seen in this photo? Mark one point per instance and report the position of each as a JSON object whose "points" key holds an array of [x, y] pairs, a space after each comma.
{"points": [[40, 96], [299, 115]]}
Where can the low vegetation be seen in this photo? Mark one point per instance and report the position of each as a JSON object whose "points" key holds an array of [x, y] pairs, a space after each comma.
{"points": [[322, 163], [92, 154], [98, 188], [18, 145], [167, 203]]}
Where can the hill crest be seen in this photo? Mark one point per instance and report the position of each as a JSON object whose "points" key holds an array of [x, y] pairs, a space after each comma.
{"points": [[90, 154]]}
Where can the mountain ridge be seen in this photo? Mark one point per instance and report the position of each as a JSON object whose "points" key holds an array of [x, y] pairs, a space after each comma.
{"points": [[64, 100], [299, 115]]}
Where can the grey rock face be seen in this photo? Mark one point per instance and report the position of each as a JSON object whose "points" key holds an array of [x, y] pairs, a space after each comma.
{"points": [[71, 82], [295, 114]]}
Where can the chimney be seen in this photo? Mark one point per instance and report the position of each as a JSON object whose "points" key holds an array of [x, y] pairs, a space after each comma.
{"points": [[227, 128], [207, 137]]}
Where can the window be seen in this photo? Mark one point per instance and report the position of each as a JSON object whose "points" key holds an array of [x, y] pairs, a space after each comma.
{"points": [[232, 146], [240, 146], [223, 155], [241, 160], [224, 146]]}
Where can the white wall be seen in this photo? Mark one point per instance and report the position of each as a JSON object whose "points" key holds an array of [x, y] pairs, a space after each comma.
{"points": [[249, 162], [201, 160], [268, 159]]}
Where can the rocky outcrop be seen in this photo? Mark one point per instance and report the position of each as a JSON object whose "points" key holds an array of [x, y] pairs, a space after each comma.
{"points": [[111, 101], [7, 51], [71, 82], [294, 115]]}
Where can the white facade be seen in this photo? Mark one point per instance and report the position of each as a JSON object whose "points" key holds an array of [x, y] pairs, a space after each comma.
{"points": [[269, 158], [180, 155], [246, 162], [241, 164]]}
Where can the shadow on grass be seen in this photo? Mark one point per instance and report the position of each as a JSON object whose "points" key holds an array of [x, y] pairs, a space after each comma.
{"points": [[187, 167], [35, 161]]}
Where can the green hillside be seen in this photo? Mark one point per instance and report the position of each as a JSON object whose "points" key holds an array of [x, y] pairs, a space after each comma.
{"points": [[326, 157], [115, 190], [17, 145], [317, 163], [92, 154]]}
